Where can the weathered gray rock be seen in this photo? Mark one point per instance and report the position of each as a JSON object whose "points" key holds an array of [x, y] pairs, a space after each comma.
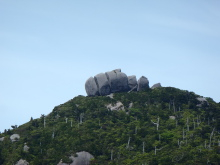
{"points": [[122, 82], [158, 85], [103, 84], [25, 148], [2, 139], [202, 101], [14, 137], [111, 96], [83, 158], [118, 81], [143, 83], [22, 162], [172, 117], [116, 107], [132, 82], [91, 87]]}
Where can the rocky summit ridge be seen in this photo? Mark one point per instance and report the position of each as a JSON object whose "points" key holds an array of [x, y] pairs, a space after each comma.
{"points": [[115, 81]]}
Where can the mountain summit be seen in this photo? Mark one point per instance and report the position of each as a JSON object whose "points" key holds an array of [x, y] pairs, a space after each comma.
{"points": [[153, 126]]}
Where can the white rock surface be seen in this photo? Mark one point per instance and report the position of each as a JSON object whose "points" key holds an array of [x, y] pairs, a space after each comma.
{"points": [[22, 162], [15, 137], [83, 158], [25, 148], [117, 106], [172, 117]]}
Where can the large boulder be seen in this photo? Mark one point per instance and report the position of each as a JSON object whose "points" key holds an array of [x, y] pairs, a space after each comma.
{"points": [[91, 87], [15, 137], [103, 84], [118, 81], [82, 158], [158, 85], [132, 82], [22, 162], [143, 83]]}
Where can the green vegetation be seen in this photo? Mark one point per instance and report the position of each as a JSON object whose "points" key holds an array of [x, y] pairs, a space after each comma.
{"points": [[142, 134]]}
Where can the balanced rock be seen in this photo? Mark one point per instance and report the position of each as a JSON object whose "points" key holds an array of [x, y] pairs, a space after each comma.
{"points": [[158, 85], [103, 84], [143, 83], [115, 81], [91, 87], [132, 82]]}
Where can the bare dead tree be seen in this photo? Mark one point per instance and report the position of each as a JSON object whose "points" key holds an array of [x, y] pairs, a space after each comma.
{"points": [[135, 130], [81, 116], [157, 123], [210, 138], [112, 154], [44, 122], [183, 134], [194, 124], [128, 145], [155, 150]]}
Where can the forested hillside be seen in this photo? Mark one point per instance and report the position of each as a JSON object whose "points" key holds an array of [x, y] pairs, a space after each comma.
{"points": [[157, 126]]}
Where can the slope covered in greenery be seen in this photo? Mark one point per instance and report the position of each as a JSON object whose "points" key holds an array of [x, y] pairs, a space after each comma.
{"points": [[161, 126]]}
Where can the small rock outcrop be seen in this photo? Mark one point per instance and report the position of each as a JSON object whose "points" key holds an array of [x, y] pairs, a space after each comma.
{"points": [[14, 137], [115, 81], [172, 117], [22, 162], [117, 106], [82, 158], [2, 139], [143, 83], [25, 148], [158, 85], [202, 101]]}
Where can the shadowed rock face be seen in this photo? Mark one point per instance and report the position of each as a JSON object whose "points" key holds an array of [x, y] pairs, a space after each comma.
{"points": [[103, 84], [143, 83], [118, 81], [91, 87], [158, 85], [115, 81], [132, 82]]}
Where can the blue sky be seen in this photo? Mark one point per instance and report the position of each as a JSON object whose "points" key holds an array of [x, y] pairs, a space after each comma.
{"points": [[48, 49]]}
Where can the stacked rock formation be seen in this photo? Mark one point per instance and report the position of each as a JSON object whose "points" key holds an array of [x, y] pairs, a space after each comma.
{"points": [[114, 81]]}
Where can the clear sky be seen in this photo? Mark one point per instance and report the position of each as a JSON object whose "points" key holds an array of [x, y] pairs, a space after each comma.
{"points": [[48, 49]]}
